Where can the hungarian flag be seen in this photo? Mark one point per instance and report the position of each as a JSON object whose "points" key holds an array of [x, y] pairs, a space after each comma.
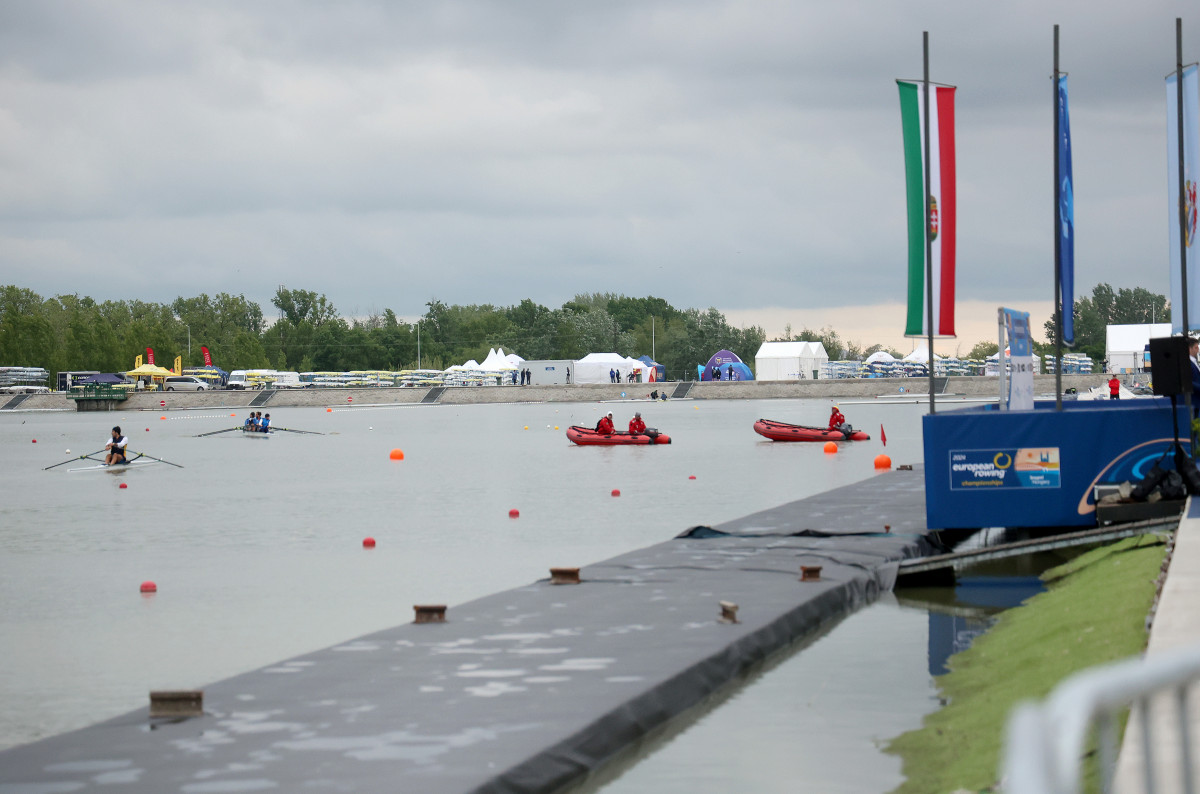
{"points": [[929, 212]]}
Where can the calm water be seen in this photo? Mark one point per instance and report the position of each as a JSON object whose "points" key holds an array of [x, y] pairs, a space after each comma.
{"points": [[256, 549]]}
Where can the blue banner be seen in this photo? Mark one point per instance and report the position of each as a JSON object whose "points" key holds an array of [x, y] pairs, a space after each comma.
{"points": [[1066, 205]]}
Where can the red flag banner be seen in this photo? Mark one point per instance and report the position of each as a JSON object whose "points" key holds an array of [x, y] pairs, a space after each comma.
{"points": [[207, 357], [150, 356]]}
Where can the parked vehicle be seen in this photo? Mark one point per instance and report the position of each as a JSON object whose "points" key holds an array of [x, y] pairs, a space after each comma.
{"points": [[287, 380], [184, 383]]}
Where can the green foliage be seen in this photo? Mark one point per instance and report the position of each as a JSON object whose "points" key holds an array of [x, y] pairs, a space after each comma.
{"points": [[1094, 612], [1105, 307], [983, 350]]}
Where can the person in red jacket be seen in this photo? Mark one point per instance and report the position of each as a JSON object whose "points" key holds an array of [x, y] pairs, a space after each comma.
{"points": [[636, 425], [1114, 388], [605, 425], [836, 419]]}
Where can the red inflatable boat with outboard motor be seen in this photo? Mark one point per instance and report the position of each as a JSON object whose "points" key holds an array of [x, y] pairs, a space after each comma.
{"points": [[586, 436], [780, 431]]}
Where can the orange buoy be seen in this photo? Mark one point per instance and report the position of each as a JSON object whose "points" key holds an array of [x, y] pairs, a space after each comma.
{"points": [[514, 513], [830, 447], [327, 410], [149, 587], [397, 454], [368, 543], [616, 491], [123, 485], [883, 462], [162, 417]]}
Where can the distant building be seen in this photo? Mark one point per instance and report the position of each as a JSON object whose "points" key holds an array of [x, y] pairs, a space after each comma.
{"points": [[1125, 346]]}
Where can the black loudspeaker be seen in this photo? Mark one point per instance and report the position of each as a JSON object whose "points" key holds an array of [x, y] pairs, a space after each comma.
{"points": [[1169, 365]]}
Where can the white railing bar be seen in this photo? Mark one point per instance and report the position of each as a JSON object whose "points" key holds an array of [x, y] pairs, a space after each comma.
{"points": [[1045, 743]]}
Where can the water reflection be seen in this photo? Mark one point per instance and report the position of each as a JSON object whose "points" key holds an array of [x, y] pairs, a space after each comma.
{"points": [[818, 715]]}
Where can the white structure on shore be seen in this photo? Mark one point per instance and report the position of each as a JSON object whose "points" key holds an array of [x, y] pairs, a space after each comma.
{"points": [[1125, 345], [789, 360]]}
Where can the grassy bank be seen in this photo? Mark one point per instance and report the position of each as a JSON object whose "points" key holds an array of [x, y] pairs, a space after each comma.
{"points": [[1093, 612]]}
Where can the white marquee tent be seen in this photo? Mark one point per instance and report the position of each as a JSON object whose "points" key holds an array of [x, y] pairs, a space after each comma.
{"points": [[789, 360], [594, 367]]}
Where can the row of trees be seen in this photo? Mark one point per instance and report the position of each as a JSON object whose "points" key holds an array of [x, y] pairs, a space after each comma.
{"points": [[69, 332]]}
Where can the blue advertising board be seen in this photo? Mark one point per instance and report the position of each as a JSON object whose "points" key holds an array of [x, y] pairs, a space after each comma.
{"points": [[990, 468]]}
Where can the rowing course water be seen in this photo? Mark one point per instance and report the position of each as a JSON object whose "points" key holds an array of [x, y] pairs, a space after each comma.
{"points": [[256, 545]]}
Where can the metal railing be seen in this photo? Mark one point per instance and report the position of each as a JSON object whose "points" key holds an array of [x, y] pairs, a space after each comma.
{"points": [[1046, 743]]}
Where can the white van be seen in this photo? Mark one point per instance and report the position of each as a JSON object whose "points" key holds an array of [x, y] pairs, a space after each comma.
{"points": [[237, 380], [287, 380]]}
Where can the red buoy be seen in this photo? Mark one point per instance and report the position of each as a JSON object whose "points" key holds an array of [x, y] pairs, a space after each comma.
{"points": [[35, 441], [368, 543], [616, 492], [149, 587], [123, 485], [691, 476], [514, 513]]}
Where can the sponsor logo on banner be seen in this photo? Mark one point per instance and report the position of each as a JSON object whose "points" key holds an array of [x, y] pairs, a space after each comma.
{"points": [[207, 356], [1021, 467], [150, 356]]}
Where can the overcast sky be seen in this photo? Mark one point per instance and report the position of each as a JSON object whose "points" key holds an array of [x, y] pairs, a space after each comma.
{"points": [[730, 153]]}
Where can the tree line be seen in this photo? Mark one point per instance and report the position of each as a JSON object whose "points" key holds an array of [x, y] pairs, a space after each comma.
{"points": [[69, 332]]}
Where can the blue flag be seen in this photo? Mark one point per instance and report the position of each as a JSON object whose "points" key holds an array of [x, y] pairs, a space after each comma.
{"points": [[1066, 205]]}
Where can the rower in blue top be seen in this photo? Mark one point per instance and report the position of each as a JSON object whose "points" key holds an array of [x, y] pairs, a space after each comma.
{"points": [[266, 424]]}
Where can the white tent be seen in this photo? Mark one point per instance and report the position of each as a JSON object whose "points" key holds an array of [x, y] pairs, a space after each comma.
{"points": [[921, 355], [594, 367], [879, 356], [789, 360], [496, 362]]}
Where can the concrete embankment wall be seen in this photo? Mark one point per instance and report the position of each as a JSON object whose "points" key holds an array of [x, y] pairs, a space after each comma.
{"points": [[738, 390]]}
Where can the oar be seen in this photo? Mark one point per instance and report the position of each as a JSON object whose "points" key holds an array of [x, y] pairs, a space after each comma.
{"points": [[72, 460], [290, 430], [160, 460], [214, 432]]}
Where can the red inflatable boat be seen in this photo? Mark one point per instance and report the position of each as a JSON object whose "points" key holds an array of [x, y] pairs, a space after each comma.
{"points": [[779, 431], [586, 436]]}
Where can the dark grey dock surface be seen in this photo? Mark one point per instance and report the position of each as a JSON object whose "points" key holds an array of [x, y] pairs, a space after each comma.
{"points": [[527, 690], [263, 397], [14, 402]]}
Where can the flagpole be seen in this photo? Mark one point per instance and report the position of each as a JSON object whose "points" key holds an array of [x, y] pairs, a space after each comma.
{"points": [[1183, 285], [1058, 307], [928, 236]]}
